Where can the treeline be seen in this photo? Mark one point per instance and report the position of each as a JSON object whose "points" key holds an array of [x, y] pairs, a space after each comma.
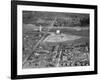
{"points": [[55, 19]]}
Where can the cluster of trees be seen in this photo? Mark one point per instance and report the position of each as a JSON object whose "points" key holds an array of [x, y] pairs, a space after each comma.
{"points": [[72, 22], [62, 19]]}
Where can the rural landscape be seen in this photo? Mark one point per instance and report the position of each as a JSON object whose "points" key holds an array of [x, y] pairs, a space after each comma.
{"points": [[55, 39]]}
